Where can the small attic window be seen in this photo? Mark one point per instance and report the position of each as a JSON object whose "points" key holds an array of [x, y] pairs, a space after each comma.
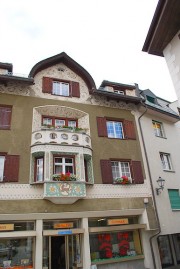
{"points": [[119, 92], [151, 99]]}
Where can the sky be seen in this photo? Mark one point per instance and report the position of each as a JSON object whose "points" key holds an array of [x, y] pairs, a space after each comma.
{"points": [[104, 36]]}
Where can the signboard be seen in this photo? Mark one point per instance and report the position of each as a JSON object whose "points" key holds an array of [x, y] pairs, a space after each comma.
{"points": [[65, 232], [6, 227], [66, 225], [117, 221]]}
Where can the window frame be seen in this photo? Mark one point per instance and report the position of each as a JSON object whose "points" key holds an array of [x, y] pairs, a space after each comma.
{"points": [[53, 119], [115, 133], [36, 169], [120, 169], [3, 154], [159, 132], [166, 164], [60, 88], [64, 157], [8, 109]]}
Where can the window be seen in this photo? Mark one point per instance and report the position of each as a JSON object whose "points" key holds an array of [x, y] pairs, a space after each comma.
{"points": [[151, 99], [5, 117], [166, 162], [158, 129], [39, 169], [9, 167], [59, 122], [174, 198], [60, 87], [119, 92], [115, 128], [165, 251], [176, 241], [113, 169], [120, 169], [63, 165]]}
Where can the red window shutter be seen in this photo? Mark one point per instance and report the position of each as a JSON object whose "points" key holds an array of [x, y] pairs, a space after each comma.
{"points": [[106, 172], [137, 173], [47, 85], [5, 117], [129, 130], [101, 125], [11, 168], [75, 89]]}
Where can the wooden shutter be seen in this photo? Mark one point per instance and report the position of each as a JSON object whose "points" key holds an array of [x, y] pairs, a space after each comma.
{"points": [[106, 171], [101, 125], [5, 117], [47, 85], [11, 168], [75, 89], [129, 130], [137, 173]]}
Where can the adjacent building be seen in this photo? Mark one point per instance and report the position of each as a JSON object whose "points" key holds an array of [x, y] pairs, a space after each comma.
{"points": [[75, 189]]}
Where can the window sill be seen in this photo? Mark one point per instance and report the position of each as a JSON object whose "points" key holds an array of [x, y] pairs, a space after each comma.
{"points": [[171, 171], [116, 260], [161, 136]]}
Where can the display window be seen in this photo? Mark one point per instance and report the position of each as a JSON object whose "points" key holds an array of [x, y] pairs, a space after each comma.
{"points": [[114, 245], [16, 253], [165, 251], [176, 241]]}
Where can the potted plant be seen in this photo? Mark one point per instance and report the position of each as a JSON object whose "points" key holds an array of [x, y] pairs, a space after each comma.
{"points": [[122, 180]]}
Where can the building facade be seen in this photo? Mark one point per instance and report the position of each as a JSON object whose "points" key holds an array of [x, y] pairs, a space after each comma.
{"points": [[73, 185]]}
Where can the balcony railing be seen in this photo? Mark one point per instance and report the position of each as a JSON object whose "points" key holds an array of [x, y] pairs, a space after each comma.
{"points": [[61, 136]]}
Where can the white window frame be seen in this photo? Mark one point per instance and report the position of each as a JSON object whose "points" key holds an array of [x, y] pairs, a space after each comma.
{"points": [[166, 161], [39, 169], [158, 131], [60, 88], [2, 163], [63, 164], [111, 129], [118, 169]]}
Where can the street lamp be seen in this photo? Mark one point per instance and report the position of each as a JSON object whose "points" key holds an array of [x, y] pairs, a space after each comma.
{"points": [[161, 183]]}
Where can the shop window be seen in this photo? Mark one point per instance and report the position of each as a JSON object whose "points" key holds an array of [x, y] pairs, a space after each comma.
{"points": [[60, 87], [17, 252], [176, 241], [119, 171], [114, 245], [9, 167], [165, 252], [115, 128], [5, 117]]}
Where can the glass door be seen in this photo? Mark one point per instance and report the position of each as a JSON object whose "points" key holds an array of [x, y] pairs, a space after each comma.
{"points": [[61, 252]]}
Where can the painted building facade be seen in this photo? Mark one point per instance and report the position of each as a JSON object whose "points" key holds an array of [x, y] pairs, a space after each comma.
{"points": [[73, 184]]}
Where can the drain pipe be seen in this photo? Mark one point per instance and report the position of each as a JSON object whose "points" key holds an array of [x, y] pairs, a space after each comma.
{"points": [[150, 177]]}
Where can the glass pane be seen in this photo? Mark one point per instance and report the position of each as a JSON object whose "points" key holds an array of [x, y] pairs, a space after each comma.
{"points": [[68, 160], [118, 130], [16, 252], [72, 123], [114, 129], [59, 123], [58, 169], [176, 240], [165, 251], [58, 160], [39, 169], [47, 121], [56, 88], [69, 169], [125, 169], [2, 160], [115, 170], [65, 89]]}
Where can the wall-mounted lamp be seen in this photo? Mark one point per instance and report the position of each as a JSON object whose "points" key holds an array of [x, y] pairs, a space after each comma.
{"points": [[161, 183]]}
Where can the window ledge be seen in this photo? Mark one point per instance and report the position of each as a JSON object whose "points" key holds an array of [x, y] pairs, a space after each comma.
{"points": [[161, 136], [115, 260], [171, 171]]}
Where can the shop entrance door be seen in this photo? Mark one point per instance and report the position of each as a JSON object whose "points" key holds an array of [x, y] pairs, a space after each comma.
{"points": [[64, 251]]}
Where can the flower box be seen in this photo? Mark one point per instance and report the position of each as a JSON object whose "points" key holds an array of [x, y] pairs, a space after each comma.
{"points": [[64, 177], [122, 180]]}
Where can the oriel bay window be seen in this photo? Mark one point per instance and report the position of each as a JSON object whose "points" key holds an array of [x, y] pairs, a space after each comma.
{"points": [[121, 171], [115, 128]]}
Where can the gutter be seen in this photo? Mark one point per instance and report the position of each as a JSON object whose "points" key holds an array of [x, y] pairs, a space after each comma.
{"points": [[150, 177]]}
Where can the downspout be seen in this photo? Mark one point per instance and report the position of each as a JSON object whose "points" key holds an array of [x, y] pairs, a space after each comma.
{"points": [[150, 177]]}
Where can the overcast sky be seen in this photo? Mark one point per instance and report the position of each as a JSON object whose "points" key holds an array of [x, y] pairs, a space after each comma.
{"points": [[104, 36]]}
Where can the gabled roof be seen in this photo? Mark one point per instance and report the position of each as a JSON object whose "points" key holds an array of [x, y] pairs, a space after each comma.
{"points": [[64, 58], [164, 26], [6, 66]]}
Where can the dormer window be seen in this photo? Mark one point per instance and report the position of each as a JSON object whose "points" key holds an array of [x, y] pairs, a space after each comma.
{"points": [[119, 92], [151, 99], [60, 88]]}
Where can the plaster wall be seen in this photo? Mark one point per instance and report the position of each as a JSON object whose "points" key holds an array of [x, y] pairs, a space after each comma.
{"points": [[172, 57], [154, 145]]}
